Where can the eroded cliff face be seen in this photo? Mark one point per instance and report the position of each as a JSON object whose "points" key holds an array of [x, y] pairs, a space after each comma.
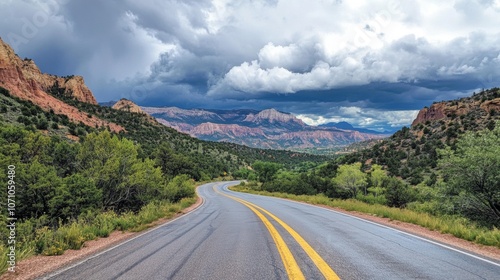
{"points": [[480, 105], [24, 80], [434, 113], [25, 75]]}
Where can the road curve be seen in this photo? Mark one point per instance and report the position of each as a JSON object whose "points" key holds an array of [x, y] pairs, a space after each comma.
{"points": [[243, 236]]}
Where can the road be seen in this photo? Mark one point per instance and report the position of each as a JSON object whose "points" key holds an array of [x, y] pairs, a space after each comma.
{"points": [[243, 236]]}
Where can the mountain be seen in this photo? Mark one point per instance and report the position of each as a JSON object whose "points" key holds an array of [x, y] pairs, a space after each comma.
{"points": [[411, 152], [339, 125], [23, 79], [348, 126], [269, 129]]}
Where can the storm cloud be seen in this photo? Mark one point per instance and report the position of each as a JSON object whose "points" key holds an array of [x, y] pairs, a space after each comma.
{"points": [[372, 63]]}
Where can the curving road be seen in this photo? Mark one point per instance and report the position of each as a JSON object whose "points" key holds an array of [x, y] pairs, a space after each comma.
{"points": [[243, 236]]}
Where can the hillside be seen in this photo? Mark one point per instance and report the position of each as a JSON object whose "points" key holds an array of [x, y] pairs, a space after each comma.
{"points": [[64, 106], [269, 129], [411, 152]]}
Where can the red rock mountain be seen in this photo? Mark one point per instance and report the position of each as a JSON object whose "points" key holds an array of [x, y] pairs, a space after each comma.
{"points": [[268, 129], [24, 80], [452, 109]]}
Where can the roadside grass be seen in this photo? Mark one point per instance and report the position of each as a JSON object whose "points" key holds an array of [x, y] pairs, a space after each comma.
{"points": [[456, 226], [33, 239]]}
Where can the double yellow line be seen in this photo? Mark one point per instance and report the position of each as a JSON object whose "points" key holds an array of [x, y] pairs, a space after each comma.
{"points": [[291, 266]]}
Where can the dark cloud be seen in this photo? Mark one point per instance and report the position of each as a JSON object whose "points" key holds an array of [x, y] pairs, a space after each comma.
{"points": [[373, 63]]}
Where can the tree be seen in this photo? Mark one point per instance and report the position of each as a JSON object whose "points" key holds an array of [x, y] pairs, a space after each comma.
{"points": [[473, 170], [173, 164], [109, 161], [377, 178], [350, 178], [181, 186], [76, 195], [265, 170], [398, 194], [39, 183]]}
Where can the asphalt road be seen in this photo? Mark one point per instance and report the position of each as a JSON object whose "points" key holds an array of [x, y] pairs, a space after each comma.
{"points": [[243, 236]]}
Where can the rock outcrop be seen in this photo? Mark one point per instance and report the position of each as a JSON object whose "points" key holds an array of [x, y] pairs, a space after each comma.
{"points": [[24, 80], [434, 113], [480, 104], [127, 105]]}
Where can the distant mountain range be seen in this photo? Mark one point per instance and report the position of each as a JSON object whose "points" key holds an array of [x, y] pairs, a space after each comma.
{"points": [[270, 128], [348, 126]]}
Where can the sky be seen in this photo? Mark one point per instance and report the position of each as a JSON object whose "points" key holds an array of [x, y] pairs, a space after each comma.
{"points": [[371, 63]]}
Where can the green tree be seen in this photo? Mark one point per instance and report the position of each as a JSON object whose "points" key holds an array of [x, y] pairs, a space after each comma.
{"points": [[398, 193], [181, 186], [64, 157], [146, 180], [76, 195], [35, 184], [109, 161], [377, 179], [473, 170], [265, 170], [350, 178], [171, 163]]}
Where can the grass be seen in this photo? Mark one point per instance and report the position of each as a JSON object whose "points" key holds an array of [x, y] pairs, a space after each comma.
{"points": [[456, 226], [34, 240]]}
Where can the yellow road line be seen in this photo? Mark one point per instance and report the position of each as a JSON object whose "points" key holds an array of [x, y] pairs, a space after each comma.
{"points": [[291, 266], [325, 269]]}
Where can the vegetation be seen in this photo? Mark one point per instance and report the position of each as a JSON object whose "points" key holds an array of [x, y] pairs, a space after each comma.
{"points": [[411, 153], [472, 172]]}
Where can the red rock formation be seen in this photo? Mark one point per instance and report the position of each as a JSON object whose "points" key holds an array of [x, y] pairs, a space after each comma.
{"points": [[435, 112], [24, 80], [491, 105], [127, 105]]}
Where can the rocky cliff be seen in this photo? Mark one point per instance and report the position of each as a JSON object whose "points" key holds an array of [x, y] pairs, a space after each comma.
{"points": [[27, 76], [480, 104], [25, 80]]}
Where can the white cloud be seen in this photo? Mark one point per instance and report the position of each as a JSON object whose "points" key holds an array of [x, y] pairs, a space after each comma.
{"points": [[362, 117]]}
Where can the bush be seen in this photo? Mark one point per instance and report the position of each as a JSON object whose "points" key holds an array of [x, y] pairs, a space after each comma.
{"points": [[180, 187]]}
